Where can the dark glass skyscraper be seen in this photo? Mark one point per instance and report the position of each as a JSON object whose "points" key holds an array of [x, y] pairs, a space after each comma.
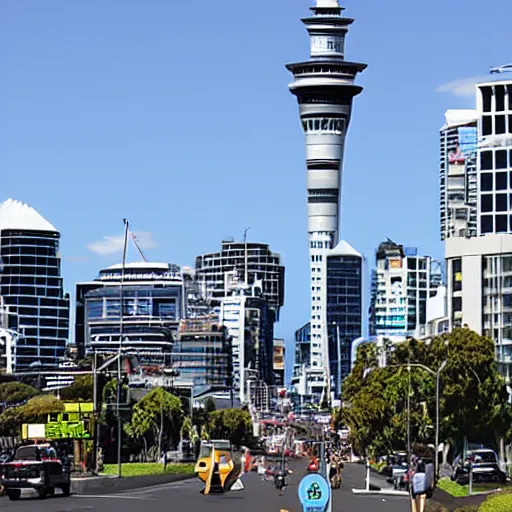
{"points": [[31, 286], [345, 306]]}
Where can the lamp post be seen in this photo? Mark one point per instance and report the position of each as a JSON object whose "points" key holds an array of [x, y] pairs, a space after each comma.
{"points": [[437, 375]]}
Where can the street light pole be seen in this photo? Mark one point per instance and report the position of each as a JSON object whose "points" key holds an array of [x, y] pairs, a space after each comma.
{"points": [[121, 333], [437, 375]]}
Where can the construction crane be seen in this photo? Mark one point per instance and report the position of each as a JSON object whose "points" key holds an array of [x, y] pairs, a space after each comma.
{"points": [[134, 238]]}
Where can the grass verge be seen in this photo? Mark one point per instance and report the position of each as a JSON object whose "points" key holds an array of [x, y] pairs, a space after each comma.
{"points": [[459, 491], [149, 468]]}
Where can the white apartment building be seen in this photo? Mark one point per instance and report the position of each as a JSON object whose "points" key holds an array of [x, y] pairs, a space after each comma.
{"points": [[458, 174], [479, 269], [402, 282]]}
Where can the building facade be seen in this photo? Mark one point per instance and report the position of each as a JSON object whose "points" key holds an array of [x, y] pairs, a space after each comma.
{"points": [[279, 362], [345, 305], [249, 321], [402, 282], [220, 271], [458, 174], [153, 304], [479, 269], [324, 87], [34, 304], [202, 354]]}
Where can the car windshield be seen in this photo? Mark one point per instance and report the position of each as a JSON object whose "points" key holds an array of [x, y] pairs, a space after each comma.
{"points": [[484, 456]]}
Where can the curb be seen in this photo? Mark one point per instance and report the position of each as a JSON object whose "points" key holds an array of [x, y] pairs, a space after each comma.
{"points": [[112, 484]]}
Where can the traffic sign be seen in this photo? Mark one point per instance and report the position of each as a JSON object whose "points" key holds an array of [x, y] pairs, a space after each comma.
{"points": [[314, 493]]}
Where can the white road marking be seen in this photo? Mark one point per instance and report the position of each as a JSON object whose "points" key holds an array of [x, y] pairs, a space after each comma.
{"points": [[112, 496]]}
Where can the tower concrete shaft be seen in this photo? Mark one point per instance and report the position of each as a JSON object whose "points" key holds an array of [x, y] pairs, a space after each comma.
{"points": [[325, 87]]}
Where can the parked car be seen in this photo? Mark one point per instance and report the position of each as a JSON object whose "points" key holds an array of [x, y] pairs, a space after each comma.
{"points": [[35, 467], [485, 466]]}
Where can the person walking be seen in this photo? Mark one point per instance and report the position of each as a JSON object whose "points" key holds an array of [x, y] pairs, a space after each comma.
{"points": [[419, 487]]}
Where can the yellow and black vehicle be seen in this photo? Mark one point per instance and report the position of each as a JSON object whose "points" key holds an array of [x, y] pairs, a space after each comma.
{"points": [[218, 468]]}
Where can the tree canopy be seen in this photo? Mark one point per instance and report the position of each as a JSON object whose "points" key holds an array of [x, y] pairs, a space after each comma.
{"points": [[473, 401], [232, 424], [36, 410], [80, 390], [16, 392], [156, 419]]}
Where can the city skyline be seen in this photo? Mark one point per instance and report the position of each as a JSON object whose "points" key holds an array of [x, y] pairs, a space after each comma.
{"points": [[64, 140]]}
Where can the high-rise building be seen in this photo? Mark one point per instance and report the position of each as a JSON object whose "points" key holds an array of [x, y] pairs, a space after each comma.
{"points": [[220, 271], [202, 354], [250, 324], [479, 269], [152, 307], [494, 105], [31, 287], [458, 174], [325, 87], [345, 304], [402, 281]]}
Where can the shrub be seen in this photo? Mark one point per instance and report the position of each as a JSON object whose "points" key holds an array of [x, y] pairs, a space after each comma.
{"points": [[497, 503]]}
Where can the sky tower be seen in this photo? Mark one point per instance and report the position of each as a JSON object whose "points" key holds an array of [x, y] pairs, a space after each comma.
{"points": [[324, 87]]}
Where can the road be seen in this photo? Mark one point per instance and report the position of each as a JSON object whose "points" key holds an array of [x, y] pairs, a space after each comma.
{"points": [[185, 496]]}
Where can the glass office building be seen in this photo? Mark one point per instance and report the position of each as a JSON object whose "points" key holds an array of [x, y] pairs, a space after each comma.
{"points": [[31, 286], [202, 354], [152, 306], [345, 317]]}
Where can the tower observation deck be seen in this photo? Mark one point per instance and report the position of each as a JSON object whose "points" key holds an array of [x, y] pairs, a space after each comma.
{"points": [[325, 87]]}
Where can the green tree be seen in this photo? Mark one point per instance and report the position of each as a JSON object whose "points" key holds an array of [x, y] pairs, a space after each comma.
{"points": [[36, 410], [80, 390], [187, 428], [473, 398], [10, 422], [232, 424], [16, 392], [157, 415]]}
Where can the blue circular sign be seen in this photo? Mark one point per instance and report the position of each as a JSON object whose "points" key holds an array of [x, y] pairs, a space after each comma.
{"points": [[314, 492]]}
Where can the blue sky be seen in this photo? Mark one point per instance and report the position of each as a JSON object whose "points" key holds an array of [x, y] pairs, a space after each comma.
{"points": [[177, 116]]}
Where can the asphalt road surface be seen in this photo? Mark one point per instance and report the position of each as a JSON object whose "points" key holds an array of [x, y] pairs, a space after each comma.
{"points": [[185, 496]]}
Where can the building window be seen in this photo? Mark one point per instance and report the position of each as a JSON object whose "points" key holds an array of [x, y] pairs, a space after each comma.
{"points": [[487, 203], [486, 224], [499, 94], [486, 160], [501, 202], [500, 125], [501, 224], [486, 181], [486, 98], [501, 159], [95, 308], [501, 181], [486, 125]]}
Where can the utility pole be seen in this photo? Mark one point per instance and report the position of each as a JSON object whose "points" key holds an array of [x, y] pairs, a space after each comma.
{"points": [[121, 334]]}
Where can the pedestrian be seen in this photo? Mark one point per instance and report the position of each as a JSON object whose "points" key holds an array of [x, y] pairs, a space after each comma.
{"points": [[164, 459], [419, 487]]}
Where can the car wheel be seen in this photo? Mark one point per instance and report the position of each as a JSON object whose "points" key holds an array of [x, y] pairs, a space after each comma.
{"points": [[42, 493], [14, 494], [50, 491], [66, 489]]}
